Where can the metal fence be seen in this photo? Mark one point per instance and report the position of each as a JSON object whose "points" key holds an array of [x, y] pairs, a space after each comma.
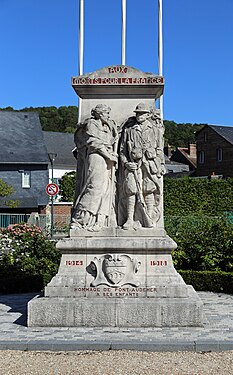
{"points": [[8, 219], [61, 222]]}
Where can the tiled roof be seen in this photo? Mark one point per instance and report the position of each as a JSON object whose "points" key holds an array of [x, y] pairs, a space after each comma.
{"points": [[21, 138], [61, 144], [225, 131]]}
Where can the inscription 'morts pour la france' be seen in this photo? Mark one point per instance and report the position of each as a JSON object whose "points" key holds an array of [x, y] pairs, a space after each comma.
{"points": [[117, 81]]}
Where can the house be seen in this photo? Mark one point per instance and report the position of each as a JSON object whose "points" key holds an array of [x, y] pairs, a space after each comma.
{"points": [[23, 161], [186, 155], [59, 147], [215, 151], [174, 168]]}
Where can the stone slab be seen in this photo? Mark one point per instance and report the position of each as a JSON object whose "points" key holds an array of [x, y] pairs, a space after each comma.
{"points": [[127, 244], [118, 82], [126, 312], [118, 232]]}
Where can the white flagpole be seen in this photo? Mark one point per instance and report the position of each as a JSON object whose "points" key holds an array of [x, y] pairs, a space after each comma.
{"points": [[81, 39], [123, 32], [160, 49]]}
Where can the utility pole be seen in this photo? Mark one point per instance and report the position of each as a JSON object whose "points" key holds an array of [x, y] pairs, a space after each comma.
{"points": [[123, 31], [52, 157], [81, 50], [160, 49]]}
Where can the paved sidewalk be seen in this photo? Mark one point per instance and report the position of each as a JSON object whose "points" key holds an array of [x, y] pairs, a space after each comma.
{"points": [[216, 335]]}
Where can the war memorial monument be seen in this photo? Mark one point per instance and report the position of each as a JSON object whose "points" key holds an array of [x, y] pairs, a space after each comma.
{"points": [[116, 268]]}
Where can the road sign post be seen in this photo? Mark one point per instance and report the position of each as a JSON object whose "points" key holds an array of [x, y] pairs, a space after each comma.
{"points": [[52, 190]]}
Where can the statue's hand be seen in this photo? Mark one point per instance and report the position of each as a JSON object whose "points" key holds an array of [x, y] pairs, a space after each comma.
{"points": [[131, 166]]}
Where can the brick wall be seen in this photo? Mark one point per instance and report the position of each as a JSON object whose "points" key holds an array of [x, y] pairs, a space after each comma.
{"points": [[62, 209], [209, 141]]}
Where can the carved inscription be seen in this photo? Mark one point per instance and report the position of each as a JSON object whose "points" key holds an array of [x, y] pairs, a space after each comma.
{"points": [[74, 263], [116, 292], [126, 292], [118, 69], [158, 263], [117, 81]]}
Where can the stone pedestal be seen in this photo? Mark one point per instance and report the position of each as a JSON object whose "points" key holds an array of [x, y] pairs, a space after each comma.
{"points": [[123, 280]]}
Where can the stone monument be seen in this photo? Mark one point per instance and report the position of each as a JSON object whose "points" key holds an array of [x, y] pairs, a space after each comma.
{"points": [[116, 267]]}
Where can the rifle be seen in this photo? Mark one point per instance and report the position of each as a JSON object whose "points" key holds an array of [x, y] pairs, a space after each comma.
{"points": [[147, 221]]}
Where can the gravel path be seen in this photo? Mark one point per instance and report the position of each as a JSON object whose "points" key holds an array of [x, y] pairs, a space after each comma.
{"points": [[115, 363]]}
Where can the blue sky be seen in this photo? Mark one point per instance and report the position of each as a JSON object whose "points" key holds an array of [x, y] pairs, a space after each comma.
{"points": [[39, 52]]}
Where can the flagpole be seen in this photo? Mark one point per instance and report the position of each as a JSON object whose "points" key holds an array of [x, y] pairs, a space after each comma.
{"points": [[123, 32], [160, 49], [81, 49]]}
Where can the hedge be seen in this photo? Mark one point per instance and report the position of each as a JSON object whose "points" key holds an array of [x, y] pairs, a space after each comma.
{"points": [[218, 282], [21, 284], [204, 243], [185, 196]]}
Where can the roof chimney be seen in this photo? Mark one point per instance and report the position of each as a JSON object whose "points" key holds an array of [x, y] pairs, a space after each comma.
{"points": [[192, 150], [168, 151]]}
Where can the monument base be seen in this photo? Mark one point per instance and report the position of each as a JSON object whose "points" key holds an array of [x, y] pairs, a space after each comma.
{"points": [[117, 281], [116, 312]]}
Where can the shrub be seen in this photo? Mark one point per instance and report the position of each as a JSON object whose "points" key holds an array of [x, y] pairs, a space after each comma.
{"points": [[25, 251]]}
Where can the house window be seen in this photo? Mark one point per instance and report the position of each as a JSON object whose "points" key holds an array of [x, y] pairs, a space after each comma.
{"points": [[205, 137], [26, 179], [201, 157], [219, 154]]}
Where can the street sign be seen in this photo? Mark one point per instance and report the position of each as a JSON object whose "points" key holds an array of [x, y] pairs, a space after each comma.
{"points": [[52, 189]]}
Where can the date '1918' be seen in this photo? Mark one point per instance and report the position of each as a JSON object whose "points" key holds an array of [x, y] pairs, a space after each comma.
{"points": [[158, 263]]}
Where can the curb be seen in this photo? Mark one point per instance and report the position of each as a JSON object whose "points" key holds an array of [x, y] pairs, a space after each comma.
{"points": [[157, 346]]}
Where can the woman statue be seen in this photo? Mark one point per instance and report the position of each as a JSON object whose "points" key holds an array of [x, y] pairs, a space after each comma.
{"points": [[96, 142]]}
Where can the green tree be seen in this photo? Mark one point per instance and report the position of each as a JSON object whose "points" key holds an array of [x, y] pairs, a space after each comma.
{"points": [[62, 119], [70, 117], [5, 191], [67, 186], [180, 135]]}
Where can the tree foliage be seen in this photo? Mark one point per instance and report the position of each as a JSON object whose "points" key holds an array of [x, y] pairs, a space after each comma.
{"points": [[67, 186], [5, 191], [62, 119], [180, 135]]}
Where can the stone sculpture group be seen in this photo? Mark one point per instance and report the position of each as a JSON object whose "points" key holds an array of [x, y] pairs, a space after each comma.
{"points": [[118, 170]]}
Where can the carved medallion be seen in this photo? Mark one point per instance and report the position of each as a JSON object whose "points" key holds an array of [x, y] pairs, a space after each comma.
{"points": [[115, 270]]}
